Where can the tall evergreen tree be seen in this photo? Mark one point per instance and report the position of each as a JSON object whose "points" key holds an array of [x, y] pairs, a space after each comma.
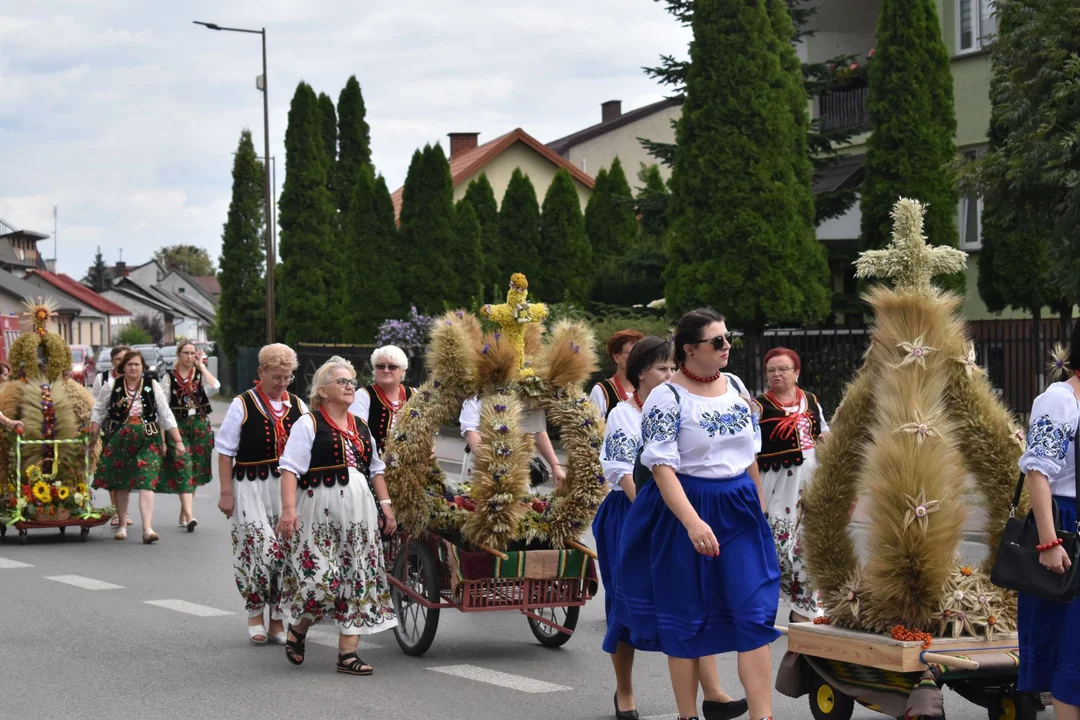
{"points": [[468, 256], [913, 122], [385, 219], [742, 240], [328, 124], [427, 230], [482, 198], [307, 217], [99, 278], [519, 229], [566, 273], [609, 215], [390, 239], [354, 142], [652, 206], [372, 292], [241, 316]]}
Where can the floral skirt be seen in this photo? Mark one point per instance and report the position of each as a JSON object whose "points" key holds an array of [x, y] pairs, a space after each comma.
{"points": [[185, 474], [335, 569], [258, 558], [130, 460], [783, 495]]}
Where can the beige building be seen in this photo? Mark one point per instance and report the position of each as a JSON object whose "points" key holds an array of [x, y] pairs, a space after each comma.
{"points": [[499, 158]]}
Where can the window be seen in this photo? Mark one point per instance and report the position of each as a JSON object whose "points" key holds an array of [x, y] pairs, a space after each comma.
{"points": [[970, 220], [975, 23]]}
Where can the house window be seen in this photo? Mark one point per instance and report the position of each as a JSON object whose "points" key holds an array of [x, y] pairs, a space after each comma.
{"points": [[969, 213], [975, 23]]}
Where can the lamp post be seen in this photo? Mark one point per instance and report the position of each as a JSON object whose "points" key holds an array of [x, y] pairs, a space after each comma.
{"points": [[271, 244]]}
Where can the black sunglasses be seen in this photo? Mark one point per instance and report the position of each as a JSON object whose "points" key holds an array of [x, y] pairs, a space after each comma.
{"points": [[719, 342], [384, 366]]}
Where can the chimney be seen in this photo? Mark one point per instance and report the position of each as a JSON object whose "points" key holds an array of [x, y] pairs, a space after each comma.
{"points": [[50, 265], [610, 110], [121, 268], [462, 142]]}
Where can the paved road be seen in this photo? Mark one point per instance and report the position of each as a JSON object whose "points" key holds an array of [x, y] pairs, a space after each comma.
{"points": [[123, 631]]}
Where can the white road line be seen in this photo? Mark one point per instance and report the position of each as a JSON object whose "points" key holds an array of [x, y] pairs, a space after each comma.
{"points": [[84, 582], [673, 716], [494, 677], [329, 639], [190, 608], [6, 564]]}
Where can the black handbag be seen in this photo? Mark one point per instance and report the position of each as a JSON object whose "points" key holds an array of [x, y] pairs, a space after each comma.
{"points": [[1017, 565]]}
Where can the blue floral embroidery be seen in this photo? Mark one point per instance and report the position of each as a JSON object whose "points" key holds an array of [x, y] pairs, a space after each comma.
{"points": [[618, 447], [729, 423], [660, 425], [1045, 439]]}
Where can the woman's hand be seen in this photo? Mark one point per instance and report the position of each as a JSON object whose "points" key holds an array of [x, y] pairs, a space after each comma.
{"points": [[181, 449], [287, 525], [1055, 560], [14, 425], [389, 525], [558, 473], [226, 504], [701, 535]]}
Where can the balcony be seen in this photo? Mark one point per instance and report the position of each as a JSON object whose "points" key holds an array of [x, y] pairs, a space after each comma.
{"points": [[844, 110]]}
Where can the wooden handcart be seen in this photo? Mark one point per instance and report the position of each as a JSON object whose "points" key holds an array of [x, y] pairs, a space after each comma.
{"points": [[432, 572], [837, 668]]}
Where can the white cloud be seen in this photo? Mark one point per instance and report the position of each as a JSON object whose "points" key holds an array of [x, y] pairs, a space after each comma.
{"points": [[125, 114]]}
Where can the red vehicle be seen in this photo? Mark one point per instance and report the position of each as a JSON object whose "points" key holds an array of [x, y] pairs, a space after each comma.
{"points": [[83, 365]]}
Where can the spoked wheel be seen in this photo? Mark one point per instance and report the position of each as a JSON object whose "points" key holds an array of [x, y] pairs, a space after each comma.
{"points": [[549, 636], [416, 568], [828, 703]]}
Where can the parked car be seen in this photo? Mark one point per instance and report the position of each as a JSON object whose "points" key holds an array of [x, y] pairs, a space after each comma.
{"points": [[169, 353], [104, 358], [82, 364], [155, 360]]}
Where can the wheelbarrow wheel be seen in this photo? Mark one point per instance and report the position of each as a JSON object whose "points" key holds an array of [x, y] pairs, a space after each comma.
{"points": [[1017, 706], [416, 568], [549, 636], [22, 537], [63, 530], [83, 534], [828, 703]]}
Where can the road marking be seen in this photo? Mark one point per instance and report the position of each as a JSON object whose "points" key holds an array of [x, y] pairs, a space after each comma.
{"points": [[494, 677], [84, 582], [329, 639], [673, 716], [190, 608], [6, 564]]}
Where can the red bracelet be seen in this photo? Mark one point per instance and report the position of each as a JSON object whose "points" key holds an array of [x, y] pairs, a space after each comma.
{"points": [[1047, 546]]}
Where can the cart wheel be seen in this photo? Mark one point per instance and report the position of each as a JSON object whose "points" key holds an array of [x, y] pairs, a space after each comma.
{"points": [[3, 530], [1017, 706], [549, 636], [83, 534], [828, 703], [22, 537], [415, 566]]}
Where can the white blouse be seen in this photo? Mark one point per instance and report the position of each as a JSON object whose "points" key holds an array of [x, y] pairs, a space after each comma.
{"points": [[297, 456], [1054, 418], [100, 413], [622, 440], [599, 398], [469, 419], [704, 437], [227, 437], [361, 405]]}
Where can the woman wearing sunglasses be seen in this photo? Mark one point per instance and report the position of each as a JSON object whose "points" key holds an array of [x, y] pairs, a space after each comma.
{"points": [[698, 574], [333, 504], [379, 403]]}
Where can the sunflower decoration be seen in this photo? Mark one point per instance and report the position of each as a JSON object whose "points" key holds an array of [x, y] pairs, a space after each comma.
{"points": [[63, 493], [42, 492]]}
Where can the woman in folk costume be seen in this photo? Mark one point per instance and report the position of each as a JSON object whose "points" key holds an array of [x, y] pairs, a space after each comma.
{"points": [[649, 365], [133, 414], [379, 403], [334, 504], [103, 384], [188, 386], [792, 422], [609, 392], [249, 443]]}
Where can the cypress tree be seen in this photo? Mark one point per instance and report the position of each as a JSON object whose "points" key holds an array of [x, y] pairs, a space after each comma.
{"points": [[482, 198], [390, 239], [427, 230], [609, 215], [372, 294], [354, 140], [742, 241], [566, 273], [912, 122], [385, 220], [468, 258], [652, 206], [307, 219], [519, 229], [328, 123], [241, 316]]}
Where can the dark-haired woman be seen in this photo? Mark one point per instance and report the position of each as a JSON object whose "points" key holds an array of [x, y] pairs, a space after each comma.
{"points": [[133, 413], [609, 392], [1050, 631], [698, 573]]}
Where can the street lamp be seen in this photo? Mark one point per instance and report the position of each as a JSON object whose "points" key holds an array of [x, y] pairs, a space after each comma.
{"points": [[271, 245]]}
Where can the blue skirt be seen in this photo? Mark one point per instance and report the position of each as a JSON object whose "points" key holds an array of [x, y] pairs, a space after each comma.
{"points": [[1050, 637], [669, 598], [607, 529]]}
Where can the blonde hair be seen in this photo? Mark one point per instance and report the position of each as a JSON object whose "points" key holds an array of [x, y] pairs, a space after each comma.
{"points": [[392, 353], [323, 377], [277, 356]]}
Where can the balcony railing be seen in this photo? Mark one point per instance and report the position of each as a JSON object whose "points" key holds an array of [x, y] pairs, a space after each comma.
{"points": [[844, 110]]}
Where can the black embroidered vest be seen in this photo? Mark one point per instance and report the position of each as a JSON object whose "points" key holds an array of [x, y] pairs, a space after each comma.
{"points": [[379, 415], [120, 407], [182, 404], [329, 464], [257, 457], [611, 395], [777, 452]]}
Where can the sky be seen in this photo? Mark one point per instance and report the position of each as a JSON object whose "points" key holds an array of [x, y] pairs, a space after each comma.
{"points": [[125, 115]]}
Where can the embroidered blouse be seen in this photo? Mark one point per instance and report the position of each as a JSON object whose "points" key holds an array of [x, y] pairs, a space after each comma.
{"points": [[704, 437], [297, 456], [1050, 438], [164, 414], [622, 440], [227, 437]]}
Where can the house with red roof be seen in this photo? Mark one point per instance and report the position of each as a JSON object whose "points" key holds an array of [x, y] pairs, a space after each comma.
{"points": [[499, 158], [98, 319]]}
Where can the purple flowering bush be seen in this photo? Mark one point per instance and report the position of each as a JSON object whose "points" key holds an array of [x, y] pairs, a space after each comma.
{"points": [[410, 333]]}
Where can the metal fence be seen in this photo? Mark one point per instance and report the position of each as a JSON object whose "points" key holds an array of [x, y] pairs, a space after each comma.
{"points": [[844, 110]]}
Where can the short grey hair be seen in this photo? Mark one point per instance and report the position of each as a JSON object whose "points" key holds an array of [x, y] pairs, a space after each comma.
{"points": [[392, 353], [323, 377]]}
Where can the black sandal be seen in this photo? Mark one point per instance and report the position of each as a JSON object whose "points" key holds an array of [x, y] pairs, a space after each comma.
{"points": [[352, 664], [295, 647]]}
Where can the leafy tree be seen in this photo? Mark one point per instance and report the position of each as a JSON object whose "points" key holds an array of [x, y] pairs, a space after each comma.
{"points": [[133, 334], [151, 326], [354, 140], [913, 122], [482, 198], [372, 294], [567, 270], [427, 230], [519, 230], [191, 259], [241, 315], [308, 269], [99, 278], [468, 256], [743, 240]]}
